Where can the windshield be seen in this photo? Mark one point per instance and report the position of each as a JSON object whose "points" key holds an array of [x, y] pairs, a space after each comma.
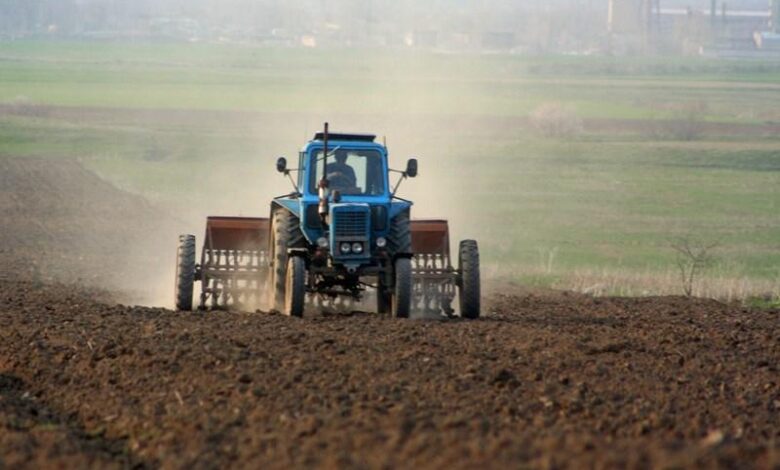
{"points": [[352, 172]]}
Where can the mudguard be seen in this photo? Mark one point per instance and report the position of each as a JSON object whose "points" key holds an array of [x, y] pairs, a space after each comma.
{"points": [[396, 207]]}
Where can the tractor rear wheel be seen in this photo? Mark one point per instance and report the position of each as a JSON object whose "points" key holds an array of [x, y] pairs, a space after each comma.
{"points": [[469, 286], [295, 287], [286, 233], [185, 272], [402, 292]]}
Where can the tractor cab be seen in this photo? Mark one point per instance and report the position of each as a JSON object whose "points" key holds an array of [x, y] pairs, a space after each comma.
{"points": [[343, 197], [357, 166]]}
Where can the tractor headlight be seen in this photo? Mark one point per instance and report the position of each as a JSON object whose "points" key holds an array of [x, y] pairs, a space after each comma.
{"points": [[345, 248], [381, 242], [322, 242], [357, 248]]}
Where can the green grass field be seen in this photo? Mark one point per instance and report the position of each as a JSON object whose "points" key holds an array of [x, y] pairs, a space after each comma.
{"points": [[196, 128]]}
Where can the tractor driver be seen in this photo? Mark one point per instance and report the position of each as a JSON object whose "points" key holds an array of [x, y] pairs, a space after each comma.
{"points": [[341, 175]]}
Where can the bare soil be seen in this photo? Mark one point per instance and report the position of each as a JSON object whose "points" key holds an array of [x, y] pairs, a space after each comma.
{"points": [[544, 380], [62, 223], [547, 382]]}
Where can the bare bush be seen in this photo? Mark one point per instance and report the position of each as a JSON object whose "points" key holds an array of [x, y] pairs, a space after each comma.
{"points": [[693, 257], [547, 258], [687, 121], [556, 120]]}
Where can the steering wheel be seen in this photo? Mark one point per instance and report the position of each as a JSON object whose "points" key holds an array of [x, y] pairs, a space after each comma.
{"points": [[340, 180]]}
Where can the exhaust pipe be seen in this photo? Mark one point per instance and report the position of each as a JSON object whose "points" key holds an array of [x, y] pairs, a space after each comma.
{"points": [[323, 185]]}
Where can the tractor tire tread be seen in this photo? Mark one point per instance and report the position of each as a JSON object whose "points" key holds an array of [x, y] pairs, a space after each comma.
{"points": [[399, 238], [296, 278], [286, 234], [470, 295], [402, 291], [185, 272]]}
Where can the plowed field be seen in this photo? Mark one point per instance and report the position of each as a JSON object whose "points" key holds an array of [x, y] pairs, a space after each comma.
{"points": [[543, 380]]}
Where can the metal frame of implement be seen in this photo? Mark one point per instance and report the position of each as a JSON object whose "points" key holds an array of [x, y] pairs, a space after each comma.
{"points": [[434, 279], [234, 265]]}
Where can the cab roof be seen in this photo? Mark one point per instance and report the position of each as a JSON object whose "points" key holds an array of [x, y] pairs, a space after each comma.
{"points": [[320, 136]]}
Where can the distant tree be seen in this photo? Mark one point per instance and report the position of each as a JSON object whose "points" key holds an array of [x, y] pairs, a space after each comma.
{"points": [[692, 257]]}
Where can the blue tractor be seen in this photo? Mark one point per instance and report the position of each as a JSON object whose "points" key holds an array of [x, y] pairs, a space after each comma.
{"points": [[342, 234]]}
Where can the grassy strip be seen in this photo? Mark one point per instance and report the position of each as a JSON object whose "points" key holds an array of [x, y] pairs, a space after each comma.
{"points": [[593, 203]]}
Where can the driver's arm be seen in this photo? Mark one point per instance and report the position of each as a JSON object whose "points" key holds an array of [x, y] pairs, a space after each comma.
{"points": [[350, 173]]}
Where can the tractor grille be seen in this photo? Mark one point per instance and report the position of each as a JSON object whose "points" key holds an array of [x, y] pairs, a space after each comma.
{"points": [[350, 223]]}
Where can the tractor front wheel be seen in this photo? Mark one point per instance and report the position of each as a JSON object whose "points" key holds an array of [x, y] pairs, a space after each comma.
{"points": [[469, 286], [402, 292], [383, 297], [185, 272], [295, 287]]}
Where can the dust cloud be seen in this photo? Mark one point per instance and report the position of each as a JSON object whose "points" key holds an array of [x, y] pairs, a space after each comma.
{"points": [[88, 225], [63, 223]]}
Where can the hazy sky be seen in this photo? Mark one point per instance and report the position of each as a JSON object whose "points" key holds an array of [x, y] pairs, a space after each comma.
{"points": [[209, 17]]}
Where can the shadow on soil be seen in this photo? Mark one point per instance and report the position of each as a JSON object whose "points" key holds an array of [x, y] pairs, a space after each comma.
{"points": [[22, 414]]}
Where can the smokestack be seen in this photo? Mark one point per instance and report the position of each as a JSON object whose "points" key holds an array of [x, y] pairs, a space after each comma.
{"points": [[649, 16], [713, 10], [611, 16]]}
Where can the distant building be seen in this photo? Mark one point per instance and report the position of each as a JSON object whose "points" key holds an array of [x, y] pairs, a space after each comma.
{"points": [[717, 30], [625, 16], [775, 16], [767, 40], [497, 41]]}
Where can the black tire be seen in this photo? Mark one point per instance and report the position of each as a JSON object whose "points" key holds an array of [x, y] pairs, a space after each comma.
{"points": [[399, 238], [383, 298], [469, 287], [185, 272], [402, 291], [295, 287], [286, 233]]}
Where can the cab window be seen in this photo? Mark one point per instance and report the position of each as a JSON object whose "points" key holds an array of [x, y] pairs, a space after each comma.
{"points": [[352, 172]]}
